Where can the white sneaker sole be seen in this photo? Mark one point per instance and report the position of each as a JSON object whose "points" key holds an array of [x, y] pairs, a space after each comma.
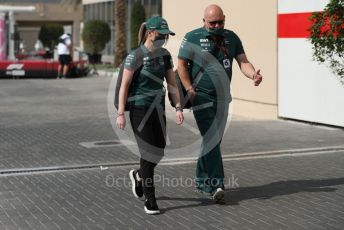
{"points": [[131, 176], [219, 195], [150, 212]]}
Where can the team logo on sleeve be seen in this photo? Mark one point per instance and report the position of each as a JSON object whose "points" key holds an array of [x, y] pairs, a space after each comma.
{"points": [[184, 41]]}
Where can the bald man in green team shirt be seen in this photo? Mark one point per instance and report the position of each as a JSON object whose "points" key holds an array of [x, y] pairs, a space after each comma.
{"points": [[205, 68]]}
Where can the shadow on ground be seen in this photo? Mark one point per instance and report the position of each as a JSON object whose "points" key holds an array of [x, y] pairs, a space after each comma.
{"points": [[280, 188]]}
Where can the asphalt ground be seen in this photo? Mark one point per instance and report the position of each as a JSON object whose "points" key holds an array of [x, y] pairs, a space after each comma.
{"points": [[64, 166]]}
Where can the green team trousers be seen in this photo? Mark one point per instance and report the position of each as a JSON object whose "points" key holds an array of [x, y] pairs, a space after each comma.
{"points": [[211, 117]]}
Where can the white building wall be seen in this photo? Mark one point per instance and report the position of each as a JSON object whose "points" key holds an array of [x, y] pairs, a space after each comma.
{"points": [[307, 90]]}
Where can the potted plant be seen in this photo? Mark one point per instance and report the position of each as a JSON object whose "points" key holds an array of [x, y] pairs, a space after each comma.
{"points": [[95, 35]]}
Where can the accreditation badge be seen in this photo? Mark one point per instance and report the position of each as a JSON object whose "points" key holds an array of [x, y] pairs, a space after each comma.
{"points": [[226, 63]]}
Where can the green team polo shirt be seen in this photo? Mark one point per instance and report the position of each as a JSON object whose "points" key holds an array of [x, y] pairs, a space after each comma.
{"points": [[197, 45], [148, 84]]}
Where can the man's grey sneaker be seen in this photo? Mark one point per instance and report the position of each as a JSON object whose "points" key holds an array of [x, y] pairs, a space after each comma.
{"points": [[135, 184], [151, 207], [219, 194]]}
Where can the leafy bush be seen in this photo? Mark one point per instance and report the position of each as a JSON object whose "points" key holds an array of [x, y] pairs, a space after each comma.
{"points": [[138, 16], [49, 35], [96, 34], [327, 37]]}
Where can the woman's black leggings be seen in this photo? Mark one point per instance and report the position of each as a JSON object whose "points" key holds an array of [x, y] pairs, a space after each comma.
{"points": [[149, 127]]}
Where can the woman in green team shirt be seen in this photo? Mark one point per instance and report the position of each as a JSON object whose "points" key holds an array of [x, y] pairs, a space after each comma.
{"points": [[147, 104]]}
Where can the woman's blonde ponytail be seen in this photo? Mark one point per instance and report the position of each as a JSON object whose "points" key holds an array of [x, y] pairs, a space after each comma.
{"points": [[142, 34]]}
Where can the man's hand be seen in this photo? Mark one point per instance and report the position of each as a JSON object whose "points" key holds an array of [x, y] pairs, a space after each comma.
{"points": [[257, 78], [191, 94]]}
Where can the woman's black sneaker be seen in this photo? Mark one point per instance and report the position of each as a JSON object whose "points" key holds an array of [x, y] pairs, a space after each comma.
{"points": [[135, 184], [151, 207]]}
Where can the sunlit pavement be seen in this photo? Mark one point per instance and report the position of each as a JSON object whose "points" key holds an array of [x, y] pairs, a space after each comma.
{"points": [[63, 166]]}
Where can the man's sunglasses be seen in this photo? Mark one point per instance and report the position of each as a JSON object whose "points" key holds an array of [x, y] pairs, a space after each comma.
{"points": [[213, 23]]}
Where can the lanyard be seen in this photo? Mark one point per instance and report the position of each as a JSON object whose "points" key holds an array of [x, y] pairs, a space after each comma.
{"points": [[219, 43]]}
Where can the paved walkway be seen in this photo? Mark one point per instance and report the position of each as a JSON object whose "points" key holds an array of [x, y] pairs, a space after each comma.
{"points": [[62, 167]]}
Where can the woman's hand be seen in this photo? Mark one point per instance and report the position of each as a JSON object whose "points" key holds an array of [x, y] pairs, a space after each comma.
{"points": [[179, 117], [120, 121]]}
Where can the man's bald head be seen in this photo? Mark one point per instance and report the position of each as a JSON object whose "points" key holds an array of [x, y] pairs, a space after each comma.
{"points": [[213, 13]]}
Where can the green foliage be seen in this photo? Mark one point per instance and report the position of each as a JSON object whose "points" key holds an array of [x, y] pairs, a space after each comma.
{"points": [[327, 36], [49, 35], [95, 35], [138, 16]]}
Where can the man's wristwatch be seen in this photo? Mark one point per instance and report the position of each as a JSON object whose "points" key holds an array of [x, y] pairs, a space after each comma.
{"points": [[178, 108]]}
